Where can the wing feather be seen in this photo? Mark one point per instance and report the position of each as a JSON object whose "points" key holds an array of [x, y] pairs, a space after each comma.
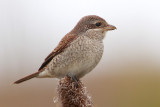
{"points": [[64, 43]]}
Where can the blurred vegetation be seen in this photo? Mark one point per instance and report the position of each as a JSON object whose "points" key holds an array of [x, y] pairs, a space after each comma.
{"points": [[110, 90]]}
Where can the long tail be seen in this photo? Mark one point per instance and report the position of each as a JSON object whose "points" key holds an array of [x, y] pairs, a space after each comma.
{"points": [[26, 78]]}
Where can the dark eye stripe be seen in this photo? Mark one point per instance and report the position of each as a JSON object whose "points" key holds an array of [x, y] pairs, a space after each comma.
{"points": [[98, 24]]}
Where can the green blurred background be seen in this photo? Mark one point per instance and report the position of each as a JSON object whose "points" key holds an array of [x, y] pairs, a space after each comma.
{"points": [[128, 74]]}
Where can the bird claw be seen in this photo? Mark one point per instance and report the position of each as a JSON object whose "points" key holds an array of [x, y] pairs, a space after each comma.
{"points": [[73, 78]]}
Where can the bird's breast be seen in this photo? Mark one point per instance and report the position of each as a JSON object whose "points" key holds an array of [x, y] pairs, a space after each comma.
{"points": [[79, 58]]}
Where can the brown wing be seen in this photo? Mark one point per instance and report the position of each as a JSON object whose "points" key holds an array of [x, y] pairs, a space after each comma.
{"points": [[61, 46]]}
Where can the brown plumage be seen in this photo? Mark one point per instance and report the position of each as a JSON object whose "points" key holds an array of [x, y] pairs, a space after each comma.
{"points": [[61, 46], [26, 78], [78, 52]]}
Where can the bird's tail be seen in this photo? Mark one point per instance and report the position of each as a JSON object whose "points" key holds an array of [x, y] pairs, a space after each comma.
{"points": [[26, 78]]}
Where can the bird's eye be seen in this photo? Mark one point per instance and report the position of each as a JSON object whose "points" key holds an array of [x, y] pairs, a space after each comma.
{"points": [[98, 24]]}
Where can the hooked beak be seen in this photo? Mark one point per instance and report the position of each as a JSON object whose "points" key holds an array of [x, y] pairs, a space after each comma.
{"points": [[109, 27]]}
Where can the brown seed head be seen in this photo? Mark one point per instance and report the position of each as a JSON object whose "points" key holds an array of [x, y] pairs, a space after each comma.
{"points": [[72, 96]]}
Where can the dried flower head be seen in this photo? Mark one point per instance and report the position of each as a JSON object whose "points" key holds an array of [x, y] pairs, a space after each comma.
{"points": [[73, 94]]}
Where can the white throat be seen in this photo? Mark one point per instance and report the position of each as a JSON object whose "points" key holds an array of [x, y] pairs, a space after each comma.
{"points": [[97, 34]]}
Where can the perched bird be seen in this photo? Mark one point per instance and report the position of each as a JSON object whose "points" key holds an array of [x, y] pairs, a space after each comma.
{"points": [[77, 53]]}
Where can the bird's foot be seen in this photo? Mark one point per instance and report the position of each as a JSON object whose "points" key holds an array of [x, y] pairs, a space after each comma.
{"points": [[73, 78]]}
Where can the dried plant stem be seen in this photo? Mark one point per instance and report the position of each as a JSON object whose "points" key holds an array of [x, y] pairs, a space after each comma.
{"points": [[72, 95]]}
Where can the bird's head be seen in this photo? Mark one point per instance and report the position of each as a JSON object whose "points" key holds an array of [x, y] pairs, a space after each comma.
{"points": [[93, 25]]}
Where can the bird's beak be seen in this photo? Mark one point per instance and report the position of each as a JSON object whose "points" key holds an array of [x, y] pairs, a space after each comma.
{"points": [[109, 27]]}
